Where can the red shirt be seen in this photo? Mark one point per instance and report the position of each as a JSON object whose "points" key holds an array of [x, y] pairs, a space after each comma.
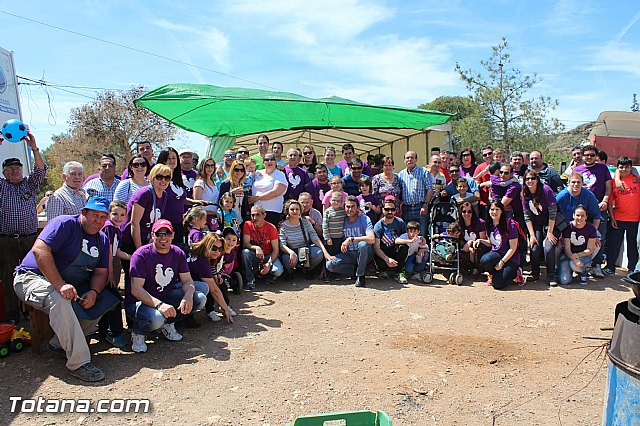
{"points": [[261, 236], [626, 205], [484, 192]]}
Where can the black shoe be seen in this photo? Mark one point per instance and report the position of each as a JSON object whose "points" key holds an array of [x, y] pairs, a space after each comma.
{"points": [[360, 282], [288, 276], [190, 322]]}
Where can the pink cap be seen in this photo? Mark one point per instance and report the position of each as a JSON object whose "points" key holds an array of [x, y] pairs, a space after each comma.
{"points": [[162, 223]]}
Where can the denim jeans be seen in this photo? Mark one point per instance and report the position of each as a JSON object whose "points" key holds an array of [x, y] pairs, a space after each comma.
{"points": [[147, 318], [602, 228], [250, 264], [566, 267], [315, 258], [357, 260], [614, 244], [500, 278], [410, 213], [412, 266]]}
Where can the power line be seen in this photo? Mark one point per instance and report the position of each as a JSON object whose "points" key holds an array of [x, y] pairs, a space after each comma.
{"points": [[51, 84], [135, 49]]}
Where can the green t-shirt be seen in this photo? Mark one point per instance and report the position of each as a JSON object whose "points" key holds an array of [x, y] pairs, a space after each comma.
{"points": [[259, 162]]}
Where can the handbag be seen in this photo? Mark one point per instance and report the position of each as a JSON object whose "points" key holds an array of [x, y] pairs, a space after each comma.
{"points": [[561, 221], [303, 252]]}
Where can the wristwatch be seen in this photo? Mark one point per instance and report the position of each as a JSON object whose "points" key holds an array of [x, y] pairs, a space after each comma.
{"points": [[158, 305]]}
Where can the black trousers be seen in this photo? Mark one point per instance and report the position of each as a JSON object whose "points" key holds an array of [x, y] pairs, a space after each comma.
{"points": [[397, 252]]}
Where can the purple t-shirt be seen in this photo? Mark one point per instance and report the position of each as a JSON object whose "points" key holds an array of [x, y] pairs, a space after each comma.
{"points": [[539, 215], [472, 232], [500, 241], [189, 178], [318, 191], [114, 235], [174, 210], [512, 190], [200, 268], [144, 198], [161, 272], [579, 237], [229, 259], [374, 201], [298, 179], [195, 235], [65, 236], [468, 171], [595, 178], [366, 170]]}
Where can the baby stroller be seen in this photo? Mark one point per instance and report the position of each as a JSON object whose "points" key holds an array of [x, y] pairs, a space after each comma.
{"points": [[444, 254]]}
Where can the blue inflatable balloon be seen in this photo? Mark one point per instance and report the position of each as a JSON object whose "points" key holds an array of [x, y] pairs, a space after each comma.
{"points": [[14, 130]]}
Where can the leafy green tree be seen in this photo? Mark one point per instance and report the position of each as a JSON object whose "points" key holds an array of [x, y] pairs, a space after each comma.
{"points": [[517, 122]]}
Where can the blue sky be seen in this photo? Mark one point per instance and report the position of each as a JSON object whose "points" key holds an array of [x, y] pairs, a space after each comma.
{"points": [[381, 52]]}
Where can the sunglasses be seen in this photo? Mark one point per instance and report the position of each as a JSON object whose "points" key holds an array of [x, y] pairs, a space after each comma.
{"points": [[486, 154], [216, 248], [308, 153], [243, 152], [238, 170], [589, 155], [209, 165], [389, 209], [531, 178], [162, 233], [466, 212], [230, 156], [163, 177], [356, 168], [454, 171], [270, 159], [502, 172], [466, 155], [137, 165]]}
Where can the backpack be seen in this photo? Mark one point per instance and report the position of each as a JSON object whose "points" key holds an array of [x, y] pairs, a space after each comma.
{"points": [[522, 238]]}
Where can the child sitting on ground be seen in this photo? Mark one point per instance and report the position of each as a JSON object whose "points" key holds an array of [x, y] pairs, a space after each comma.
{"points": [[418, 250]]}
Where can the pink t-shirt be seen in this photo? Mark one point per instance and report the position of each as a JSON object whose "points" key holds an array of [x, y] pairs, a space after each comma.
{"points": [[326, 201]]}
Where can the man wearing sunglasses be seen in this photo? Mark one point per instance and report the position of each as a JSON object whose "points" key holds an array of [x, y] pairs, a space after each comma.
{"points": [[351, 182], [390, 256], [452, 187], [229, 157], [260, 248], [482, 175], [155, 300], [242, 153], [597, 179]]}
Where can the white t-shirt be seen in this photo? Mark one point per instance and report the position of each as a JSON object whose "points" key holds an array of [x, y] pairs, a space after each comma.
{"points": [[210, 193], [413, 247], [264, 183]]}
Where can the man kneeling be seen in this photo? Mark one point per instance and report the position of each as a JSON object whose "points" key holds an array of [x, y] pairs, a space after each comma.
{"points": [[154, 301]]}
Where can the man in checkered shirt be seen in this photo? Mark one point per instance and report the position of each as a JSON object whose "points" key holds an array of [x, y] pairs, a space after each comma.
{"points": [[18, 219], [104, 185]]}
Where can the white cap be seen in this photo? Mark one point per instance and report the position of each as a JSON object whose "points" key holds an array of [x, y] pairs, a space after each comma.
{"points": [[184, 151]]}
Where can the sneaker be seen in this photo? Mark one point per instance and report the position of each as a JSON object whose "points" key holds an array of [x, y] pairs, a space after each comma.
{"points": [[138, 344], [119, 341], [584, 279], [608, 272], [597, 272], [190, 322], [360, 282], [401, 278], [57, 350], [520, 280], [170, 332], [88, 373], [232, 312], [553, 283], [214, 316], [416, 277], [250, 286], [489, 279]]}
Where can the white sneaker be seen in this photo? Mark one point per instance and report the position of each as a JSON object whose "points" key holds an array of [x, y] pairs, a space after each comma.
{"points": [[214, 316], [170, 332], [138, 344], [597, 272], [232, 312], [416, 276]]}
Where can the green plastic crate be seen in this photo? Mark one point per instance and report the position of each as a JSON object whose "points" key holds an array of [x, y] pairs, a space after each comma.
{"points": [[347, 418]]}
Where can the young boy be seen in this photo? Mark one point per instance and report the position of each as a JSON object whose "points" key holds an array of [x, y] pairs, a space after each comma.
{"points": [[463, 193], [446, 248], [418, 250], [333, 224]]}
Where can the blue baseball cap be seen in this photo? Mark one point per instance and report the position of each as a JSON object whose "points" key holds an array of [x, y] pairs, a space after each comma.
{"points": [[100, 204]]}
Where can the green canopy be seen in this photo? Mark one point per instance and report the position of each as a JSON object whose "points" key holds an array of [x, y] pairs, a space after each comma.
{"points": [[238, 115]]}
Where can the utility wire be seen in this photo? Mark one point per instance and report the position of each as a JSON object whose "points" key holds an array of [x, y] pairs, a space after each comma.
{"points": [[135, 49]]}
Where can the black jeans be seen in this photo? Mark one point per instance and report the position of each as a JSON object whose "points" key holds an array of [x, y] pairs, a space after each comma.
{"points": [[614, 244], [397, 252], [547, 252]]}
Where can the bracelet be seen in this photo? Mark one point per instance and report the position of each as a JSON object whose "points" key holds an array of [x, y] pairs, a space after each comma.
{"points": [[93, 289], [159, 304]]}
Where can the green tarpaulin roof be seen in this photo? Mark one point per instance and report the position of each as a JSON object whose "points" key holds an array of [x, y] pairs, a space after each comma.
{"points": [[244, 113]]}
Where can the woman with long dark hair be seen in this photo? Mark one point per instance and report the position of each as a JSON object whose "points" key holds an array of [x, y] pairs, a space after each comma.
{"points": [[309, 161], [540, 209], [579, 240], [138, 169], [467, 163], [503, 261], [473, 231]]}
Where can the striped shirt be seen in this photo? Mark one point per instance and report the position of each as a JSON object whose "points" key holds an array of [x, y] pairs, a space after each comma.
{"points": [[66, 201], [415, 185], [125, 190], [333, 223], [291, 235], [99, 188], [18, 203]]}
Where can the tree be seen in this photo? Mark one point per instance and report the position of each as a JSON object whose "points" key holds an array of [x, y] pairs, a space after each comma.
{"points": [[470, 128], [517, 122], [634, 105]]}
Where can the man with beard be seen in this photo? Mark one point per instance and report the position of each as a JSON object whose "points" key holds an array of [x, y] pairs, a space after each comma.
{"points": [[389, 255], [351, 182], [319, 186], [547, 174]]}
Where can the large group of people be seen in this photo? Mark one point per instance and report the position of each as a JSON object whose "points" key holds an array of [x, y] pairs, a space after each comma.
{"points": [[177, 229]]}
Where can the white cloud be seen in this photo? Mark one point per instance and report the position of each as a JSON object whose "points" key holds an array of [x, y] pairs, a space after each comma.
{"points": [[616, 57], [569, 17]]}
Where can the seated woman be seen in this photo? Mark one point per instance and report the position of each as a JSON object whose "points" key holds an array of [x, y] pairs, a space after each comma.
{"points": [[295, 233], [579, 240], [503, 261], [473, 231]]}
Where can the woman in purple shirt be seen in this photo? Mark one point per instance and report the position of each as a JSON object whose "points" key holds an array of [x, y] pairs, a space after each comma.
{"points": [[540, 209], [579, 239], [467, 163], [473, 231], [503, 261]]}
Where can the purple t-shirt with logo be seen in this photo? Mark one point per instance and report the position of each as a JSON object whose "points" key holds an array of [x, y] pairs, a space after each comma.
{"points": [[472, 232], [195, 235], [318, 191], [511, 190], [161, 272], [65, 236], [189, 178], [176, 197], [500, 241], [579, 237], [539, 213], [200, 268], [468, 171], [114, 235], [595, 178], [374, 201], [144, 198], [298, 179]]}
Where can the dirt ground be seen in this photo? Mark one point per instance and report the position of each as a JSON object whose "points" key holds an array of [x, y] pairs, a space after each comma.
{"points": [[425, 354]]}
